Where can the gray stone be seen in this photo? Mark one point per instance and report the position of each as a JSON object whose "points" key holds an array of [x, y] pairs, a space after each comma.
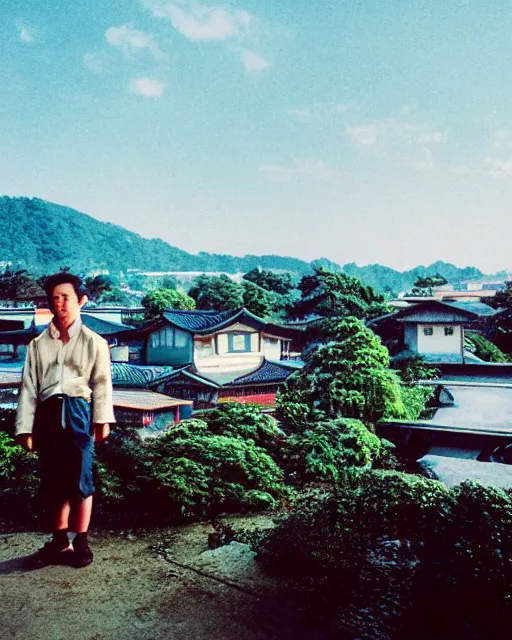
{"points": [[453, 471]]}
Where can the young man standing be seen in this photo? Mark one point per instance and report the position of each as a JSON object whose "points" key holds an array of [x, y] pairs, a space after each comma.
{"points": [[65, 406]]}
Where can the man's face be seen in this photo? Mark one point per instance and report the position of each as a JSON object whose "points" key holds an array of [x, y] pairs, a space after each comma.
{"points": [[65, 304]]}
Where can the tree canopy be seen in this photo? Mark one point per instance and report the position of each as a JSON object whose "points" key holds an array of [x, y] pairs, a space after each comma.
{"points": [[346, 377], [216, 293], [424, 286], [158, 300], [330, 294], [277, 282]]}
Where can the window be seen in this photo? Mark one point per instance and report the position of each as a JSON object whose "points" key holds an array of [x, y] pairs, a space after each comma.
{"points": [[180, 338], [238, 342], [448, 331], [428, 331]]}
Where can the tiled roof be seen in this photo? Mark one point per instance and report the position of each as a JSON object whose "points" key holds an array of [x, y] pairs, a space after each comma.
{"points": [[132, 375], [470, 310], [451, 358], [103, 327], [199, 321], [10, 379], [143, 400], [478, 308], [268, 372]]}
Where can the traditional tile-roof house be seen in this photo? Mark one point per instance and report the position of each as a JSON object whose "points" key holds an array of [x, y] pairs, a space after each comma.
{"points": [[148, 412], [435, 329], [258, 386], [231, 354], [226, 340]]}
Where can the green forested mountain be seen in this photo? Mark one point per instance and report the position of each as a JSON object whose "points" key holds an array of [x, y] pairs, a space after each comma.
{"points": [[41, 237]]}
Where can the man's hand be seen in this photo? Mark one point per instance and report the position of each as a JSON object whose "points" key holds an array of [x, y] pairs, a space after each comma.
{"points": [[25, 441], [101, 432]]}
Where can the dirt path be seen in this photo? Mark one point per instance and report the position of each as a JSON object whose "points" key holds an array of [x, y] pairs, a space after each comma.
{"points": [[131, 592]]}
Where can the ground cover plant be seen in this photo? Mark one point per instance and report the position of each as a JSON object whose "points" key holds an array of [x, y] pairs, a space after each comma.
{"points": [[195, 470], [440, 556]]}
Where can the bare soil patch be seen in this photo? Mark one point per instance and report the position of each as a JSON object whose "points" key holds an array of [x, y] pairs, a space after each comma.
{"points": [[148, 585]]}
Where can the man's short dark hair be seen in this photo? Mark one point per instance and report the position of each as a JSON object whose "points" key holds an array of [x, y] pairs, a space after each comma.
{"points": [[64, 278]]}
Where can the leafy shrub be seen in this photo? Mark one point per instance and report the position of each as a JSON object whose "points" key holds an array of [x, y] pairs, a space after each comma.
{"points": [[484, 349], [241, 421], [18, 482], [325, 451], [415, 399], [456, 545], [413, 367], [189, 472]]}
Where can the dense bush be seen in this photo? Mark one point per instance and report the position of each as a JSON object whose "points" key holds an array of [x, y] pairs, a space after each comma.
{"points": [[456, 543], [484, 349], [325, 451], [18, 482], [189, 472], [413, 367], [241, 421], [415, 399]]}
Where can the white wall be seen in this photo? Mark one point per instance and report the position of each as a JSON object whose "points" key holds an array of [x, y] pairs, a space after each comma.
{"points": [[272, 348], [439, 342]]}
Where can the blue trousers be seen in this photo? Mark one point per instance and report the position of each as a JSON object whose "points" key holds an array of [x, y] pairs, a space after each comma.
{"points": [[65, 446]]}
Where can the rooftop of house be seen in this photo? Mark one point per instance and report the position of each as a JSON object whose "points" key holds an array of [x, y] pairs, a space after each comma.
{"points": [[103, 327], [430, 307], [144, 400], [200, 322], [139, 376], [267, 372]]}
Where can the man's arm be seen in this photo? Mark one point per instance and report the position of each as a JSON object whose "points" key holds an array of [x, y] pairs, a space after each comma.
{"points": [[101, 385], [27, 401], [101, 432]]}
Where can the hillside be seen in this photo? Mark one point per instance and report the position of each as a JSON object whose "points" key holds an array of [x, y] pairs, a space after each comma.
{"points": [[42, 237]]}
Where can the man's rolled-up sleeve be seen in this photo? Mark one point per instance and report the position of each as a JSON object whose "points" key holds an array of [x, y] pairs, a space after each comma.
{"points": [[101, 385], [28, 395]]}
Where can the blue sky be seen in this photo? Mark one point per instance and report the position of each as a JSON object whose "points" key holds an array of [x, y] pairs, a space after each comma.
{"points": [[359, 130]]}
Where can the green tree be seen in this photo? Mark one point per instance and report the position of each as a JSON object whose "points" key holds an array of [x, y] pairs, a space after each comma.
{"points": [[347, 377], [258, 300], [159, 300], [18, 285], [329, 294], [277, 282], [97, 286], [216, 293], [424, 286], [500, 332]]}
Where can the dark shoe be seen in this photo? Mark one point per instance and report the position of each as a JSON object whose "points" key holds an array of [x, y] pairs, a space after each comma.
{"points": [[82, 557], [49, 554]]}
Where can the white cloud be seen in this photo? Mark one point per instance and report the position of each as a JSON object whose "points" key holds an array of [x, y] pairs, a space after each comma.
{"points": [[393, 130], [95, 62], [25, 32], [407, 143], [424, 162], [502, 138], [498, 167], [131, 40], [201, 22], [147, 87], [364, 134], [317, 111], [301, 168], [301, 114], [252, 61]]}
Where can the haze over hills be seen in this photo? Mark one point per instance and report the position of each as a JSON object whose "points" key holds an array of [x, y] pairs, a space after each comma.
{"points": [[42, 237]]}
